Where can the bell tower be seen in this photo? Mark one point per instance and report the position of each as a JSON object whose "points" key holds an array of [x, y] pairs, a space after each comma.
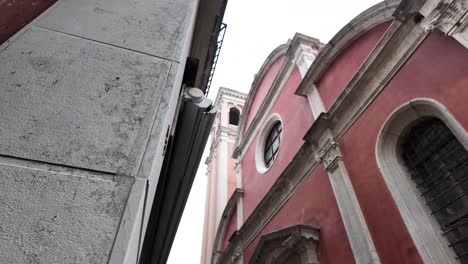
{"points": [[222, 180]]}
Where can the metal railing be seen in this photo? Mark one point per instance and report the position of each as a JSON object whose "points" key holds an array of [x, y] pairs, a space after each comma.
{"points": [[219, 44]]}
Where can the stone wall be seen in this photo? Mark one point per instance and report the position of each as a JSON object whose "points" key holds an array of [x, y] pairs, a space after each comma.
{"points": [[88, 92]]}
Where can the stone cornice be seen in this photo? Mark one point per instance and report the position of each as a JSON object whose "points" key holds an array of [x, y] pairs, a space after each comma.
{"points": [[225, 131], [230, 92]]}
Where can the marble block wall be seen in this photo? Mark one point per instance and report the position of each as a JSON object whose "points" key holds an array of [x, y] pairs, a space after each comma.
{"points": [[88, 91]]}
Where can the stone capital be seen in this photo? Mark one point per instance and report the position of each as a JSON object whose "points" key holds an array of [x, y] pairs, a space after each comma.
{"points": [[449, 16], [329, 154]]}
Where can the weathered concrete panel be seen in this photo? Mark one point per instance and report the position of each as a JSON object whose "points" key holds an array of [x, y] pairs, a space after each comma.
{"points": [[157, 27], [53, 217], [76, 102]]}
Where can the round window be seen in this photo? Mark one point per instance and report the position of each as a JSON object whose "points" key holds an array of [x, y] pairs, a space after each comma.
{"points": [[268, 143], [272, 143]]}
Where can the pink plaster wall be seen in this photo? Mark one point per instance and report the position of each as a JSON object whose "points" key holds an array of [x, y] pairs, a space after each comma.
{"points": [[296, 116], [345, 65], [313, 202], [439, 70], [263, 89], [232, 227]]}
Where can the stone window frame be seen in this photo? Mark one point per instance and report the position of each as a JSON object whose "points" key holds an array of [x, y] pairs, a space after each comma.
{"points": [[423, 228], [278, 246], [260, 164], [270, 152]]}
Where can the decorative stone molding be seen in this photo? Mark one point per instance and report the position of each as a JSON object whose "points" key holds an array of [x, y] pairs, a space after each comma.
{"points": [[233, 95], [222, 134], [226, 132], [329, 154], [303, 50], [447, 16], [298, 241], [237, 256]]}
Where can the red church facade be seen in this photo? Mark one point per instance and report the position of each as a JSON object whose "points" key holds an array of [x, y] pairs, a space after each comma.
{"points": [[337, 186]]}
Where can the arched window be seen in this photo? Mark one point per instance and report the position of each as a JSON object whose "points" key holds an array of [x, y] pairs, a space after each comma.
{"points": [[234, 114], [438, 164]]}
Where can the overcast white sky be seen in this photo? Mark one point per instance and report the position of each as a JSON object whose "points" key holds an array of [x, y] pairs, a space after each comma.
{"points": [[254, 29]]}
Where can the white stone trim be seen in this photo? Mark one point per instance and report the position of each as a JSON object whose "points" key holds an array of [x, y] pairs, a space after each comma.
{"points": [[353, 219], [315, 102], [303, 58], [423, 228], [240, 211], [222, 179], [260, 148], [230, 95], [240, 214]]}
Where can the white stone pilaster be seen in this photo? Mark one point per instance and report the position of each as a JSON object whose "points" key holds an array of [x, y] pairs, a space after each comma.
{"points": [[356, 228], [240, 215], [303, 58], [222, 177], [315, 102]]}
